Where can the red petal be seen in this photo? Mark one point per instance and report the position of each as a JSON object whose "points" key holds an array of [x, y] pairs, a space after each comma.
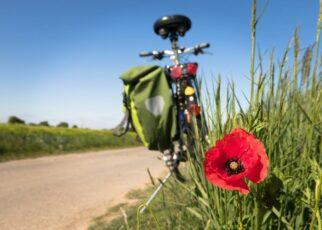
{"points": [[234, 144], [259, 169], [238, 185], [240, 131], [214, 160]]}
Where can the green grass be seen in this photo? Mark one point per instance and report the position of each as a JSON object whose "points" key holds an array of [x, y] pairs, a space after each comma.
{"points": [[167, 212], [22, 141], [284, 112]]}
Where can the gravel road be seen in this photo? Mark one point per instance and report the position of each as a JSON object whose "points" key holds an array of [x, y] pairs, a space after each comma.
{"points": [[67, 191]]}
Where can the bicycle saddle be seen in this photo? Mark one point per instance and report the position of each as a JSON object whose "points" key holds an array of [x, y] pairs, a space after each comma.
{"points": [[174, 25]]}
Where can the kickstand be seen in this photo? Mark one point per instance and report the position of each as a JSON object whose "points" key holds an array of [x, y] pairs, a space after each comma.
{"points": [[179, 177], [156, 191]]}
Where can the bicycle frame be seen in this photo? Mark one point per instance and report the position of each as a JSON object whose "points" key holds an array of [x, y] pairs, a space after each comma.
{"points": [[182, 76], [184, 85]]}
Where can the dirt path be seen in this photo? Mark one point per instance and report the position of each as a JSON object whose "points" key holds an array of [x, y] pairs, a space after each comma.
{"points": [[67, 191]]}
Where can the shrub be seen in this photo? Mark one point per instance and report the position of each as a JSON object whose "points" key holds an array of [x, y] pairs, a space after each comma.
{"points": [[15, 120], [63, 124], [44, 123]]}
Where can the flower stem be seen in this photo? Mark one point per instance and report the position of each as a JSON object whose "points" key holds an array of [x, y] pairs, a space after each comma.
{"points": [[253, 41]]}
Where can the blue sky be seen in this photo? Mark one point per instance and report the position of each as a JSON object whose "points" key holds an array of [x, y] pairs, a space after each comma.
{"points": [[60, 60]]}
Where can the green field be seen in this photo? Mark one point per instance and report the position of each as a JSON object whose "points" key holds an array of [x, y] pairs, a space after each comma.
{"points": [[22, 141]]}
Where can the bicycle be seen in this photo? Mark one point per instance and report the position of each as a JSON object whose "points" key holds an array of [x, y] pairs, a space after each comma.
{"points": [[182, 77]]}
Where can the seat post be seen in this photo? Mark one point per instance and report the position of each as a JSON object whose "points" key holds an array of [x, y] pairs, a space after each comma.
{"points": [[174, 45], [174, 40]]}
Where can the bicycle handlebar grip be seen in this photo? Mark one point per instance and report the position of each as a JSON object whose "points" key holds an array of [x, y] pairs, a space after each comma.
{"points": [[145, 54], [204, 45]]}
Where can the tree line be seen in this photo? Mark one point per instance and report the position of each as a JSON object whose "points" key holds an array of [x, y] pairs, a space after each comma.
{"points": [[17, 120]]}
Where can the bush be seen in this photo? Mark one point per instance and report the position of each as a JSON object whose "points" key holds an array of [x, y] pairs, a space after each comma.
{"points": [[15, 120], [63, 124], [44, 123]]}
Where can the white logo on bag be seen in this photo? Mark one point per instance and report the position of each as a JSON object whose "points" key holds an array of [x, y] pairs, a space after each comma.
{"points": [[155, 105]]}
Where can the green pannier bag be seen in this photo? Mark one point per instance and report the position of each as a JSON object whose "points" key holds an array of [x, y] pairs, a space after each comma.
{"points": [[149, 107]]}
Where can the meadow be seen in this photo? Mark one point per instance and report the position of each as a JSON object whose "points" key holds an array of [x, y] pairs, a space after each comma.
{"points": [[284, 112], [22, 141]]}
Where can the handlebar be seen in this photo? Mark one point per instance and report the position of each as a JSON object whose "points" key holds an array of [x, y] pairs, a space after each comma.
{"points": [[156, 54], [198, 49], [204, 45], [145, 54]]}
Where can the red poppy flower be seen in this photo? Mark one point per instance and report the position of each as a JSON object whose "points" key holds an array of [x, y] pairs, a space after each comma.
{"points": [[238, 155]]}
